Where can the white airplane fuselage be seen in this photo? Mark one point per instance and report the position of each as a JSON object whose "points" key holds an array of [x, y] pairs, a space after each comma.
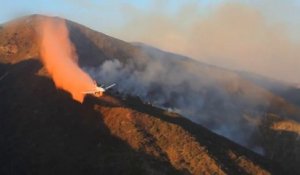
{"points": [[98, 91]]}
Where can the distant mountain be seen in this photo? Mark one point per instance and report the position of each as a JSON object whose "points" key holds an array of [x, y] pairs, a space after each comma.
{"points": [[128, 132]]}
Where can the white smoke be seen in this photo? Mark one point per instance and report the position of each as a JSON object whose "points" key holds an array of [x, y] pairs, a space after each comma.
{"points": [[187, 87]]}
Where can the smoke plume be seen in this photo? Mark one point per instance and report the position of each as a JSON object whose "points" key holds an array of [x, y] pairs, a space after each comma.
{"points": [[60, 58], [205, 94]]}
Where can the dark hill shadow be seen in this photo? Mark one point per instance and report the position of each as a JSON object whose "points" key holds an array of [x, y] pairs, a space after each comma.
{"points": [[43, 131], [93, 48], [89, 54], [281, 144], [286, 145]]}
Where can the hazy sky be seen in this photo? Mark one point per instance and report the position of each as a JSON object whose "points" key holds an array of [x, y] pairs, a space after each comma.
{"points": [[98, 14], [261, 36]]}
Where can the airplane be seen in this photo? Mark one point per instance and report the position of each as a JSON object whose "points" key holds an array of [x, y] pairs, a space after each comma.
{"points": [[98, 91]]}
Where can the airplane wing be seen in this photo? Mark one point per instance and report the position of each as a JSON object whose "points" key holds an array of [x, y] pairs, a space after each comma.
{"points": [[108, 87]]}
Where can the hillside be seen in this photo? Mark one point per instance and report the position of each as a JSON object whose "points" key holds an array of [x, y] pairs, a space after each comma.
{"points": [[47, 132]]}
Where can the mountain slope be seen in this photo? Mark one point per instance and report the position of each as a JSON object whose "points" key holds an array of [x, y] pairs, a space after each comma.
{"points": [[45, 132], [232, 106]]}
